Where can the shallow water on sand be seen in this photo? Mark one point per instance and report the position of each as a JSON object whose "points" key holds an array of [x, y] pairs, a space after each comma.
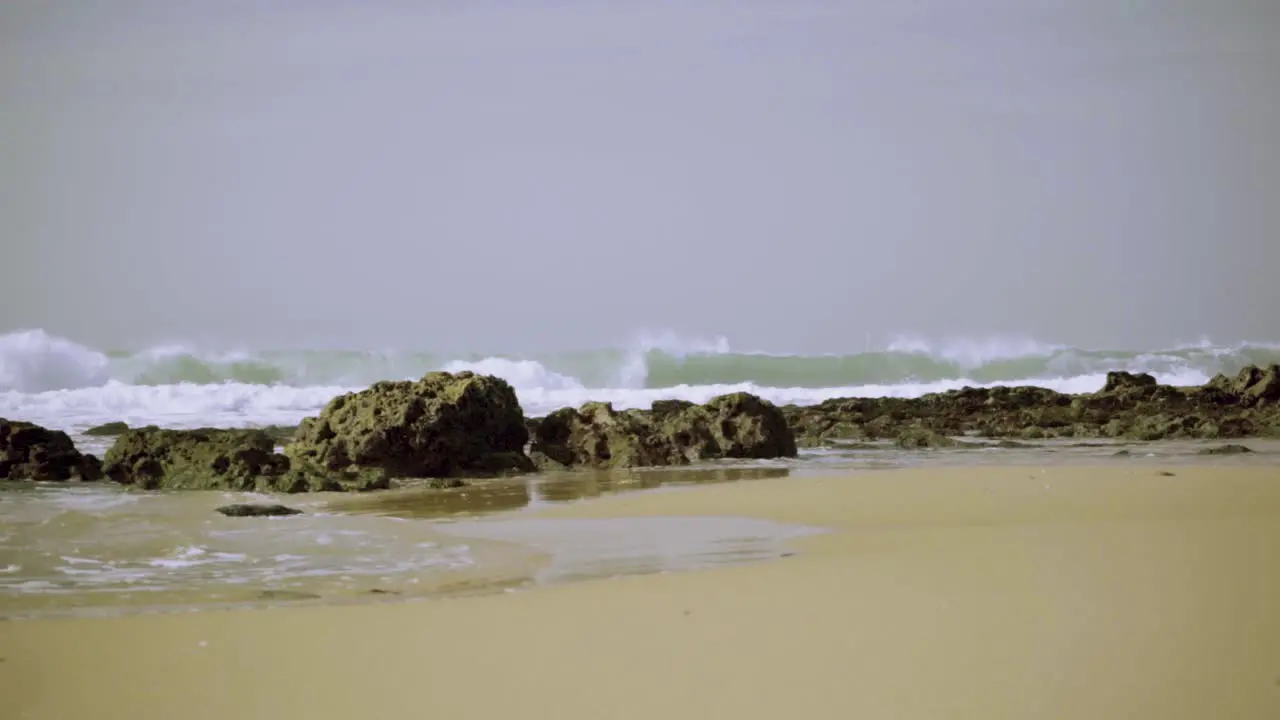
{"points": [[71, 548], [100, 548]]}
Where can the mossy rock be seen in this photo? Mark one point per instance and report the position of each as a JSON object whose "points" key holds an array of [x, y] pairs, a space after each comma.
{"points": [[672, 432], [110, 429], [444, 425], [151, 458], [31, 452], [920, 438]]}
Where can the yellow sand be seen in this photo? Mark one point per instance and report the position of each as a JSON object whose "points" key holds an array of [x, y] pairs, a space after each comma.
{"points": [[959, 593]]}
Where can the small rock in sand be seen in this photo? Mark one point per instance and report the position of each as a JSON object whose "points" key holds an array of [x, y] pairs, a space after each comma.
{"points": [[246, 510], [1225, 450]]}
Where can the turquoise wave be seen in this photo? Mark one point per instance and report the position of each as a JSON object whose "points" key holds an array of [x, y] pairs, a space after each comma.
{"points": [[660, 369]]}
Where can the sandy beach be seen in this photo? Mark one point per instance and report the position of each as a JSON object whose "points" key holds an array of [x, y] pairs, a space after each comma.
{"points": [[1083, 592]]}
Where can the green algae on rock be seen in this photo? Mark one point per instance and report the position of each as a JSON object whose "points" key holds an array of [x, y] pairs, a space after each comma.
{"points": [[31, 452], [1130, 406], [151, 458], [672, 432], [110, 429], [443, 425], [918, 438]]}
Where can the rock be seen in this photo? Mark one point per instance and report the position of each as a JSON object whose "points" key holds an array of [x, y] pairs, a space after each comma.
{"points": [[1257, 386], [203, 459], [1013, 445], [287, 595], [596, 435], [1225, 450], [917, 438], [31, 452], [444, 425], [247, 510], [672, 432], [445, 483], [1120, 381], [282, 434], [746, 426], [215, 459], [110, 429], [1131, 406]]}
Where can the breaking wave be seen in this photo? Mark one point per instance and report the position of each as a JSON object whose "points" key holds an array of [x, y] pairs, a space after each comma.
{"points": [[56, 381]]}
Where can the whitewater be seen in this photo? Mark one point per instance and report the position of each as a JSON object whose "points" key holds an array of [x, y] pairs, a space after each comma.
{"points": [[59, 383]]}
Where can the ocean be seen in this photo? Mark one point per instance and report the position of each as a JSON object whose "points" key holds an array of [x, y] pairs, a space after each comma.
{"points": [[59, 383]]}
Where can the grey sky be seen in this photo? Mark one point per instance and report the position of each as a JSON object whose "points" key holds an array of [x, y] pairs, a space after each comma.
{"points": [[506, 176]]}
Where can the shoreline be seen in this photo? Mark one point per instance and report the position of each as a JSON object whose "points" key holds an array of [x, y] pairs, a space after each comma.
{"points": [[506, 544], [1089, 591]]}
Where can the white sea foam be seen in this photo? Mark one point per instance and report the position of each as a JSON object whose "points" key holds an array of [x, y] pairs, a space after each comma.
{"points": [[59, 383]]}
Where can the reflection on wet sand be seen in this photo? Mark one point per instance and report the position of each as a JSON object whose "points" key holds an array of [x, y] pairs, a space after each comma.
{"points": [[491, 496]]}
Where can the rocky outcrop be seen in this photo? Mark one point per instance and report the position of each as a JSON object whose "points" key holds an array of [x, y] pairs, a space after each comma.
{"points": [[444, 425], [110, 429], [212, 459], [673, 432], [31, 452], [1130, 406]]}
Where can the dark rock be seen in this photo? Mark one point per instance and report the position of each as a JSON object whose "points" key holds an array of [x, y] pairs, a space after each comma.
{"points": [[1120, 381], [444, 425], [31, 452], [245, 510], [596, 435], [1225, 450], [1129, 406], [110, 429], [673, 432], [287, 595], [746, 426], [531, 425]]}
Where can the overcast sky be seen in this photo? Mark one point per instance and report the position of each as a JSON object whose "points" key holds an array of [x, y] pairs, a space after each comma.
{"points": [[539, 175]]}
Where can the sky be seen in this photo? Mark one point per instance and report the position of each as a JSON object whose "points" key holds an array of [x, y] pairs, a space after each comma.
{"points": [[793, 176]]}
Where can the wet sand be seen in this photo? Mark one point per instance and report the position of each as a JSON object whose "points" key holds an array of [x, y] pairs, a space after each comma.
{"points": [[1066, 591]]}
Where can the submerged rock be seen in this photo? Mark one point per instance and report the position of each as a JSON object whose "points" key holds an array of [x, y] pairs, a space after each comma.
{"points": [[251, 510], [444, 425], [1225, 450], [918, 438], [673, 432], [110, 429], [287, 595], [31, 452]]}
